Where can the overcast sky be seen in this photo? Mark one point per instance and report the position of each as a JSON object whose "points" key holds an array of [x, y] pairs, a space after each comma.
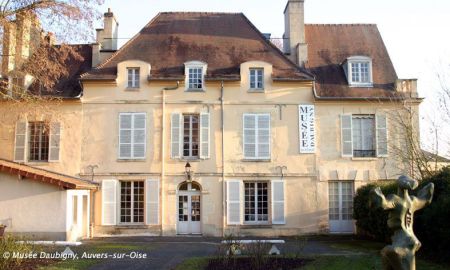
{"points": [[416, 32]]}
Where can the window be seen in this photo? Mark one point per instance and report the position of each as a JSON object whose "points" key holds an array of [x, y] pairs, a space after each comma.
{"points": [[190, 135], [256, 79], [256, 202], [363, 135], [132, 202], [132, 135], [195, 78], [256, 136], [38, 141], [340, 200], [195, 75], [133, 77], [359, 71]]}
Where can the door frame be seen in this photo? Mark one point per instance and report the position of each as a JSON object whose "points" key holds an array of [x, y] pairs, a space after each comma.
{"points": [[189, 192]]}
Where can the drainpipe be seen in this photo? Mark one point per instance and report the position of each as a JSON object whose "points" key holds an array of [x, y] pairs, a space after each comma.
{"points": [[223, 160], [163, 149]]}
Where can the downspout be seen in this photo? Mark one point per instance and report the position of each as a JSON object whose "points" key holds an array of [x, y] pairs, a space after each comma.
{"points": [[223, 160], [163, 149]]}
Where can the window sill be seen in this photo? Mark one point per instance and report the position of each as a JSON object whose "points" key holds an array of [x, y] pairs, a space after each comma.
{"points": [[131, 160], [257, 226], [195, 90], [368, 85], [256, 160], [364, 158], [193, 159], [132, 89], [38, 163], [256, 90]]}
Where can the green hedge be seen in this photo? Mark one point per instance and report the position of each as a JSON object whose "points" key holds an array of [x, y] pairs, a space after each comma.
{"points": [[431, 225]]}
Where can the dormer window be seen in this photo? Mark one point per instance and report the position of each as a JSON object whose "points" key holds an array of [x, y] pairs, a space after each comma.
{"points": [[195, 75], [358, 70], [256, 79], [133, 77]]}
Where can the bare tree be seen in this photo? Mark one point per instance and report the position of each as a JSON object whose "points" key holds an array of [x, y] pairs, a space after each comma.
{"points": [[29, 53]]}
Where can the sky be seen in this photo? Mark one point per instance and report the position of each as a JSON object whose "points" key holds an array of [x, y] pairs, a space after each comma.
{"points": [[415, 32]]}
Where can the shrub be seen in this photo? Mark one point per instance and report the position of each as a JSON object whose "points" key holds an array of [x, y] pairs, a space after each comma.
{"points": [[372, 222], [431, 224], [11, 244]]}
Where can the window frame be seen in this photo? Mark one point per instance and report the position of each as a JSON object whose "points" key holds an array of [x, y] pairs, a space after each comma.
{"points": [[135, 77], [188, 66], [191, 115], [255, 79], [132, 202], [359, 60], [41, 144], [132, 129], [373, 151], [256, 196], [257, 156]]}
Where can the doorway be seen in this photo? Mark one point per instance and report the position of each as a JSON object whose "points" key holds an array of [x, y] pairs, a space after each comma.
{"points": [[341, 206], [189, 208]]}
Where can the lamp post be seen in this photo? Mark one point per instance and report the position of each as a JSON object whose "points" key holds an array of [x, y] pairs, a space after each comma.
{"points": [[187, 170]]}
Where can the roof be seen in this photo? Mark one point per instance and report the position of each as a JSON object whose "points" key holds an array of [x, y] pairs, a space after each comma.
{"points": [[69, 86], [223, 40], [434, 157], [35, 174], [329, 45]]}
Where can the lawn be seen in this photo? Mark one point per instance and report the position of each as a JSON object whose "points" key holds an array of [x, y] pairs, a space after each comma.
{"points": [[365, 256]]}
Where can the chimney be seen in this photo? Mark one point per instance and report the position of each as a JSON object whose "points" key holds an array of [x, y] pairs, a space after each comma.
{"points": [[294, 42], [106, 40], [20, 38]]}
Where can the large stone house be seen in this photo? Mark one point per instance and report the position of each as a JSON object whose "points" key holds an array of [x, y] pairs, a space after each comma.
{"points": [[200, 125]]}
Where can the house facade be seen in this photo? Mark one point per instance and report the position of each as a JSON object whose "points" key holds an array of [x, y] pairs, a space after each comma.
{"points": [[200, 125]]}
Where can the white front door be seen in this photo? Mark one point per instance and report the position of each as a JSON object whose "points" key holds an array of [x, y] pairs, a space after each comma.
{"points": [[341, 206], [189, 212]]}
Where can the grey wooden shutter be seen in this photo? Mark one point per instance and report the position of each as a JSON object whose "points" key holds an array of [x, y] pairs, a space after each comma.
{"points": [[125, 135], [204, 135], [263, 136], [175, 150], [109, 202], [346, 135], [54, 142], [139, 135], [278, 204], [152, 202], [382, 140], [20, 141], [234, 204], [249, 135]]}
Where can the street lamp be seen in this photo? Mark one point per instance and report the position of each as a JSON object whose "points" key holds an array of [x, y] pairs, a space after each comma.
{"points": [[187, 170]]}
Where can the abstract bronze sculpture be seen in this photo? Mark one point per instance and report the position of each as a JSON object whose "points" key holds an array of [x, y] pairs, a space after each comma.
{"points": [[401, 254]]}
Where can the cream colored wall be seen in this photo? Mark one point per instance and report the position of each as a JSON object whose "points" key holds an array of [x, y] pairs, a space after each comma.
{"points": [[32, 208], [68, 113]]}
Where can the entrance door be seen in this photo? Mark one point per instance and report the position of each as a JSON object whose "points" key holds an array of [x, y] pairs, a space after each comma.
{"points": [[341, 207], [189, 209]]}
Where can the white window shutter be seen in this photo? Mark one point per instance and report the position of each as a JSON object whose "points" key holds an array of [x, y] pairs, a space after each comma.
{"points": [[205, 135], [152, 202], [234, 203], [20, 141], [125, 130], [139, 135], [249, 135], [278, 202], [109, 202], [175, 150], [54, 142], [263, 137], [382, 134], [346, 135]]}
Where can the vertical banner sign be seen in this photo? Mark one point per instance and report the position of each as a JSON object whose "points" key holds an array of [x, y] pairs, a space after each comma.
{"points": [[307, 129]]}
